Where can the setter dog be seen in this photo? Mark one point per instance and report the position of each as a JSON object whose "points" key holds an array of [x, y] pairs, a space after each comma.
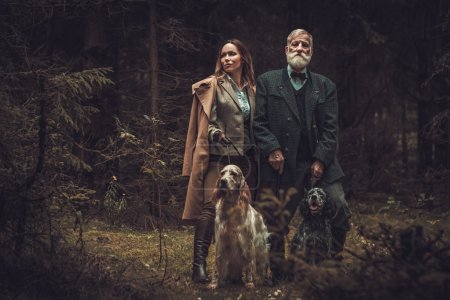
{"points": [[312, 240], [241, 237]]}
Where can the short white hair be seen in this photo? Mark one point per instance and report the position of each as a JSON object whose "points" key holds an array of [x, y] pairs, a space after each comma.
{"points": [[297, 32]]}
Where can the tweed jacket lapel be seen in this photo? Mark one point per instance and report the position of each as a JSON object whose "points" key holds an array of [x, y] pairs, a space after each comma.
{"points": [[287, 91], [251, 101], [226, 84], [311, 97]]}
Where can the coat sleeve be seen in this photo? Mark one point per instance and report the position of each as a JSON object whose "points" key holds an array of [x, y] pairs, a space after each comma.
{"points": [[213, 127], [327, 124], [190, 138], [266, 141]]}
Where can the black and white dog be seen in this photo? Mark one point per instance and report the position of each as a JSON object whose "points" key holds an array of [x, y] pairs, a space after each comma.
{"points": [[312, 240]]}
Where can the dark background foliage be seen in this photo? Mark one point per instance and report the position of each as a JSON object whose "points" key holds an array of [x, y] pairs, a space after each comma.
{"points": [[95, 89]]}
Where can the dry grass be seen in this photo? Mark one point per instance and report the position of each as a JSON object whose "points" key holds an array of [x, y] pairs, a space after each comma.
{"points": [[141, 262]]}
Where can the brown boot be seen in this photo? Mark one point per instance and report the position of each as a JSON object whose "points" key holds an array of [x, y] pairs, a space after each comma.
{"points": [[204, 230]]}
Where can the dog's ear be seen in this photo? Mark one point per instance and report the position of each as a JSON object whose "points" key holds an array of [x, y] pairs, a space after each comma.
{"points": [[216, 195], [245, 194], [243, 182]]}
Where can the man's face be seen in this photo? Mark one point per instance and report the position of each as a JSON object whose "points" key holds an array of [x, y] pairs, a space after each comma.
{"points": [[299, 52]]}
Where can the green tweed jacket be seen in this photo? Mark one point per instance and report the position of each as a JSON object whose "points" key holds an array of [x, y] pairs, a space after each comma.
{"points": [[277, 124]]}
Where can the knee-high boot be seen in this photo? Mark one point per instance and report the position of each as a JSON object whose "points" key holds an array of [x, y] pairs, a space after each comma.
{"points": [[204, 230]]}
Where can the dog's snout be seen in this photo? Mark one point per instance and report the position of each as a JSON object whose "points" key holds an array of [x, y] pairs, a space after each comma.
{"points": [[223, 183]]}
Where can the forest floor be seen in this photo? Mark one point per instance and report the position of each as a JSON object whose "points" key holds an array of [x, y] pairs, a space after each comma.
{"points": [[139, 264]]}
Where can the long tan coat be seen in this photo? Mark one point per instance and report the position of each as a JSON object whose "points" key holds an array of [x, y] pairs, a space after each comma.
{"points": [[196, 154]]}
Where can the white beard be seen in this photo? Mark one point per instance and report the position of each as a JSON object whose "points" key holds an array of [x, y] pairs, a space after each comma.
{"points": [[298, 61]]}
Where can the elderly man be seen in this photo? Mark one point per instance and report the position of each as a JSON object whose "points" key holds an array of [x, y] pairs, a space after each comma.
{"points": [[296, 129]]}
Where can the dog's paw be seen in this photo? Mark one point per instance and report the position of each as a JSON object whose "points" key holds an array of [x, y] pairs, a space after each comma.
{"points": [[212, 285], [249, 285]]}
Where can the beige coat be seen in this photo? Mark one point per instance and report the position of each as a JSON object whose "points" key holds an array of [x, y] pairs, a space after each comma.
{"points": [[196, 155]]}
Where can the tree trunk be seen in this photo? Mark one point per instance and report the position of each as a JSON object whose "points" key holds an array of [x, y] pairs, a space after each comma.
{"points": [[154, 91], [153, 60], [442, 148], [425, 49], [424, 145], [404, 137], [95, 54]]}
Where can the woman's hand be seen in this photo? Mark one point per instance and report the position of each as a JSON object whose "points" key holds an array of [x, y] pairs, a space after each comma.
{"points": [[220, 138]]}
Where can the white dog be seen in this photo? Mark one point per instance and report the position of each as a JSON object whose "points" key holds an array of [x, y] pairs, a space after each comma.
{"points": [[240, 233]]}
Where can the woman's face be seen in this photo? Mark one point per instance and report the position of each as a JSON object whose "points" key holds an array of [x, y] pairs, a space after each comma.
{"points": [[230, 59]]}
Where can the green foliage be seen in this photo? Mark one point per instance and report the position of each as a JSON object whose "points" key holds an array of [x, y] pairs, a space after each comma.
{"points": [[70, 91], [115, 202], [47, 102], [155, 161]]}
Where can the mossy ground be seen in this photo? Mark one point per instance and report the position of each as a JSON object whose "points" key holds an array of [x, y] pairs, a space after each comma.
{"points": [[161, 263]]}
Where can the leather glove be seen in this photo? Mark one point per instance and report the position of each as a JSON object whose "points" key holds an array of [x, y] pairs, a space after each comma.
{"points": [[219, 137]]}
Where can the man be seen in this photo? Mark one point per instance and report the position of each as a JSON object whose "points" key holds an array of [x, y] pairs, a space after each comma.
{"points": [[296, 129]]}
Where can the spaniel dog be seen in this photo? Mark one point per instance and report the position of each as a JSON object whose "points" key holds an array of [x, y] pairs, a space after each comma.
{"points": [[312, 240], [241, 237]]}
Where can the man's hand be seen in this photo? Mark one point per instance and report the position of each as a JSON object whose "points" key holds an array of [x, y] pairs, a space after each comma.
{"points": [[276, 160], [317, 169]]}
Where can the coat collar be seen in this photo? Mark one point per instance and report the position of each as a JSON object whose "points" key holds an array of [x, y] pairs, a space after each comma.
{"points": [[204, 91], [227, 86]]}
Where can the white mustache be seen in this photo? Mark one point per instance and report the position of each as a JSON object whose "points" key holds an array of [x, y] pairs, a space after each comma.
{"points": [[298, 60], [301, 54], [304, 55]]}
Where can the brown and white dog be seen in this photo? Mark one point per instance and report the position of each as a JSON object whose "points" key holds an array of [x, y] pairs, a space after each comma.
{"points": [[241, 236]]}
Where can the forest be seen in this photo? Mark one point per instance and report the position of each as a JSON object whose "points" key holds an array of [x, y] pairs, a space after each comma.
{"points": [[95, 98]]}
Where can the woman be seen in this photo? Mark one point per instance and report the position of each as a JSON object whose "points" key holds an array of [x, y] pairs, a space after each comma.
{"points": [[220, 132]]}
